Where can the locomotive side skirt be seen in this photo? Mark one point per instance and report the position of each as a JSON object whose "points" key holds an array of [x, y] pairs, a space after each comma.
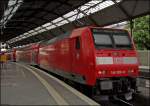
{"points": [[72, 76]]}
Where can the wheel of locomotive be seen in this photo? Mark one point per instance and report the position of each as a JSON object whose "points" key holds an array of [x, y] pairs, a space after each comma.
{"points": [[128, 96]]}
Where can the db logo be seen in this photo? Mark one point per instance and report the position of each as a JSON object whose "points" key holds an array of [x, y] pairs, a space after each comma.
{"points": [[118, 60]]}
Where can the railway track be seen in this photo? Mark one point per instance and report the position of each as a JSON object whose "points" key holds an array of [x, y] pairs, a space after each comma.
{"points": [[144, 77], [143, 81], [139, 100], [123, 101]]}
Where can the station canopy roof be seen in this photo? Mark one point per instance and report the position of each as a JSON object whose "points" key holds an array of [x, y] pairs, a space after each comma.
{"points": [[28, 21]]}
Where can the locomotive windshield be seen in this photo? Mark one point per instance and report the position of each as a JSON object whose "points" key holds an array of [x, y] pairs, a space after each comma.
{"points": [[117, 39]]}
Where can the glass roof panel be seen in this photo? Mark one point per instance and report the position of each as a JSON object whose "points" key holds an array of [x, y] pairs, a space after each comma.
{"points": [[70, 14], [50, 27], [72, 18], [80, 15], [16, 7], [57, 20], [89, 4], [30, 35], [31, 31], [23, 37], [34, 33], [26, 33], [118, 1], [88, 8], [9, 9], [62, 23], [42, 30], [11, 2], [38, 28], [47, 24], [10, 16], [99, 7], [84, 7]]}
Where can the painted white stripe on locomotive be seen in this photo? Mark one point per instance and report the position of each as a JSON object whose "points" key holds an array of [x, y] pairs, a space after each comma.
{"points": [[104, 60], [80, 95], [109, 60], [130, 60], [51, 90]]}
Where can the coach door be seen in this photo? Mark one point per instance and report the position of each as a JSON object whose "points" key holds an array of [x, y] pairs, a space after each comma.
{"points": [[33, 57], [76, 54]]}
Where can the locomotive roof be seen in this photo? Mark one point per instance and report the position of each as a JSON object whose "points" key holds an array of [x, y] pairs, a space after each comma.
{"points": [[65, 35]]}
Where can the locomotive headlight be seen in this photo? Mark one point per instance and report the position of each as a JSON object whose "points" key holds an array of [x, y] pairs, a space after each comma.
{"points": [[102, 72], [130, 71]]}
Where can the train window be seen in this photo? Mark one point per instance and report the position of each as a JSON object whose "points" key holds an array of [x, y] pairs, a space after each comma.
{"points": [[121, 40], [102, 39], [118, 39], [77, 43]]}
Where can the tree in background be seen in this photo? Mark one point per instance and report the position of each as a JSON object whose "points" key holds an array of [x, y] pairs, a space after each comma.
{"points": [[141, 32]]}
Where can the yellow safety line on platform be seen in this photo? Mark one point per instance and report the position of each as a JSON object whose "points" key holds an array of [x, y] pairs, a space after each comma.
{"points": [[51, 90], [80, 95]]}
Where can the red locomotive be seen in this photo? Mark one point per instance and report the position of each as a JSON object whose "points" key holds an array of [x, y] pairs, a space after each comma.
{"points": [[103, 59]]}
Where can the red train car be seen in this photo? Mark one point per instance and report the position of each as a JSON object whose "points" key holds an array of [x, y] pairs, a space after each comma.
{"points": [[23, 54], [11, 55], [34, 54], [28, 54], [102, 58]]}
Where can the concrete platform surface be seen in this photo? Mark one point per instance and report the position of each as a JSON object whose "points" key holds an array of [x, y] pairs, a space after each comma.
{"points": [[26, 85]]}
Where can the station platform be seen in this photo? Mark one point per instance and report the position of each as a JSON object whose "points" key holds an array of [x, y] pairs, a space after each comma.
{"points": [[25, 85]]}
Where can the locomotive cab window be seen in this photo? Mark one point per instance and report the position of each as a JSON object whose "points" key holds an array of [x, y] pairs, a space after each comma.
{"points": [[77, 43], [122, 41], [106, 38], [102, 40]]}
